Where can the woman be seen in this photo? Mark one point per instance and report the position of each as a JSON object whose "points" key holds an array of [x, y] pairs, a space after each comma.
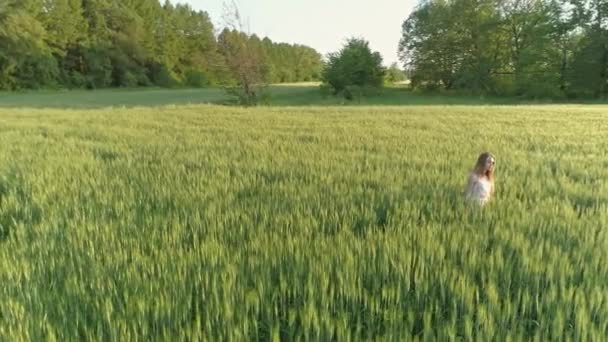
{"points": [[480, 187]]}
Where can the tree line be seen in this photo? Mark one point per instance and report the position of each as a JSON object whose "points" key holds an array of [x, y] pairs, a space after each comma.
{"points": [[534, 48], [127, 43]]}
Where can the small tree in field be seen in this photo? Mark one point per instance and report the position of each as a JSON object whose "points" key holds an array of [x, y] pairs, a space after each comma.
{"points": [[353, 71], [244, 58]]}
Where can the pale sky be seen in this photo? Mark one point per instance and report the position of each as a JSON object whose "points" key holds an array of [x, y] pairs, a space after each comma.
{"points": [[320, 24]]}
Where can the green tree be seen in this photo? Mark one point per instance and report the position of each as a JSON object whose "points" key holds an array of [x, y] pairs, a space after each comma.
{"points": [[533, 48], [64, 23], [431, 46], [25, 58], [245, 61], [394, 74], [589, 70], [113, 43], [355, 66], [533, 59]]}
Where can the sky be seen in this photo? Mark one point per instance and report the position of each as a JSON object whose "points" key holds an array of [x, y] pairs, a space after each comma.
{"points": [[321, 24]]}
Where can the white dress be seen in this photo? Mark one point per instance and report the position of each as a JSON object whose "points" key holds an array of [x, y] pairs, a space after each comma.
{"points": [[480, 189]]}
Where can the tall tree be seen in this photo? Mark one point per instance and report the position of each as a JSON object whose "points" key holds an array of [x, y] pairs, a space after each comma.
{"points": [[355, 65], [589, 74], [105, 43], [64, 23], [245, 59], [525, 47], [25, 59]]}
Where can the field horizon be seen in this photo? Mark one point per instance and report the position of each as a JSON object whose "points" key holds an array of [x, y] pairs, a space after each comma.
{"points": [[282, 95]]}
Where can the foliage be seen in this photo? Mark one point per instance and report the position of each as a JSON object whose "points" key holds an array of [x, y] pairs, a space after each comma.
{"points": [[355, 65], [114, 43], [532, 48], [394, 74], [246, 64]]}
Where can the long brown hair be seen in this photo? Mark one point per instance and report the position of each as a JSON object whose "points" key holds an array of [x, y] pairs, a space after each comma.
{"points": [[480, 166]]}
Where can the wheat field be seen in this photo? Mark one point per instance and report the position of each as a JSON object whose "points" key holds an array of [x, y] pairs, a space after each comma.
{"points": [[321, 223]]}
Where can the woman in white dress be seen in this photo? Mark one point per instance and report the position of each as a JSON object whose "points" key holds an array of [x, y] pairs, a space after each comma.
{"points": [[480, 187]]}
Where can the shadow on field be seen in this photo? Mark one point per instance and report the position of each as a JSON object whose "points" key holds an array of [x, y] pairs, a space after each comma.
{"points": [[383, 210], [16, 205], [106, 98]]}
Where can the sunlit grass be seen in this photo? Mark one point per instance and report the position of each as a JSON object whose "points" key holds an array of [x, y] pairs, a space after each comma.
{"points": [[215, 223]]}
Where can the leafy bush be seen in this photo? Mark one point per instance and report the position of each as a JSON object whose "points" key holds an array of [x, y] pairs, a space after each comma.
{"points": [[38, 71], [74, 79], [354, 65], [196, 79], [98, 68]]}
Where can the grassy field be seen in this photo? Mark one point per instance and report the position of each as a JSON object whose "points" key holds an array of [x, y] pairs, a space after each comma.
{"points": [[218, 223], [282, 95]]}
